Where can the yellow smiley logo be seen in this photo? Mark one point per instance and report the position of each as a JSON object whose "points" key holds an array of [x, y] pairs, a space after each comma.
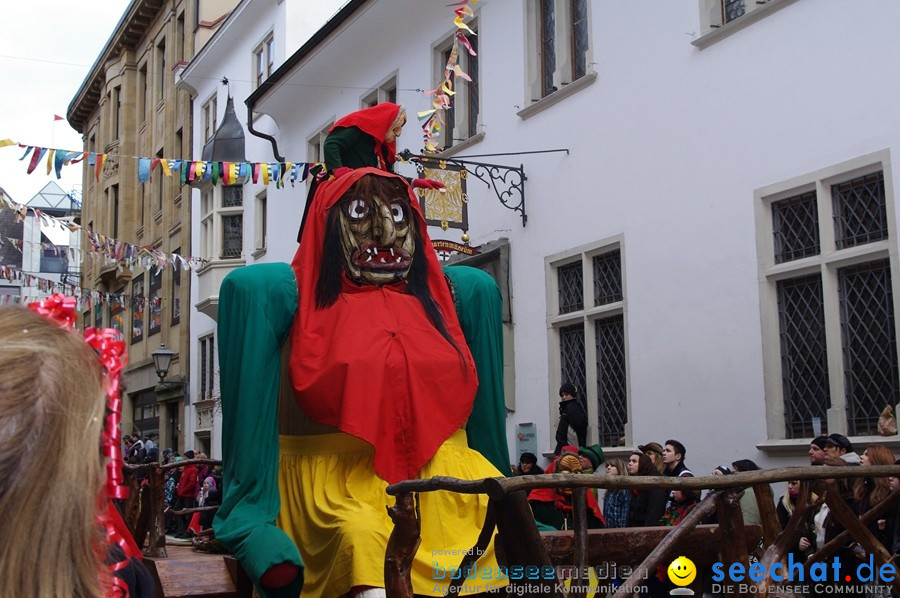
{"points": [[682, 571]]}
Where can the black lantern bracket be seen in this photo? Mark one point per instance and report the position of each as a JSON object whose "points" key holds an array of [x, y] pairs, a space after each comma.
{"points": [[507, 182]]}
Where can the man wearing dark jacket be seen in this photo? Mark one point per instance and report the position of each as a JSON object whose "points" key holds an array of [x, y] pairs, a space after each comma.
{"points": [[572, 428], [673, 457]]}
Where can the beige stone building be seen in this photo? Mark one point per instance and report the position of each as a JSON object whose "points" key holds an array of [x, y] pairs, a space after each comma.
{"points": [[128, 107]]}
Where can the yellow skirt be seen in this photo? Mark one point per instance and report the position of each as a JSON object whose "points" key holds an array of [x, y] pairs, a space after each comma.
{"points": [[334, 506]]}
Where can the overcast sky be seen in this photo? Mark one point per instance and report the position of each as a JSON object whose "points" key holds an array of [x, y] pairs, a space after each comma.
{"points": [[47, 48]]}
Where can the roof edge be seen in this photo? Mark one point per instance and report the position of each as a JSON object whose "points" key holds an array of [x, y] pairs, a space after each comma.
{"points": [[93, 75], [317, 38]]}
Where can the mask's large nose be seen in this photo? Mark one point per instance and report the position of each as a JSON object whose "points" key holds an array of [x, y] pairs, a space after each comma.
{"points": [[383, 231]]}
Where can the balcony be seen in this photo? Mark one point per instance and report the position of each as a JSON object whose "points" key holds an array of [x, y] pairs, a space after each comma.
{"points": [[209, 281]]}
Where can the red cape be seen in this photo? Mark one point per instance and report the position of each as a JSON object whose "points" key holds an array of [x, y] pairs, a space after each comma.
{"points": [[372, 364], [375, 121]]}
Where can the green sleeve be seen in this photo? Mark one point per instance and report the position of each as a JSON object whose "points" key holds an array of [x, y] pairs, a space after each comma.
{"points": [[349, 147], [480, 310], [256, 308]]}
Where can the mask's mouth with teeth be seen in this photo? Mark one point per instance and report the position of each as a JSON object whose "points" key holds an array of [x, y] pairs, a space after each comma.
{"points": [[371, 257]]}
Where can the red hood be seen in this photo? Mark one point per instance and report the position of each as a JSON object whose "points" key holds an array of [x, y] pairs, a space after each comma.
{"points": [[372, 364]]}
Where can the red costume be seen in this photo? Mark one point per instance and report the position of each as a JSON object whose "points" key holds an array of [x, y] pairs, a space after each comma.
{"points": [[375, 343]]}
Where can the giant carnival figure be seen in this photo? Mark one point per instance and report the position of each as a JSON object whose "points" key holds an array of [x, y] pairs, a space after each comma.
{"points": [[396, 377]]}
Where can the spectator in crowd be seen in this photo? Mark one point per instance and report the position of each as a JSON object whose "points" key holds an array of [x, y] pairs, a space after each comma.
{"points": [[552, 507], [749, 505], [817, 454], [186, 493], [528, 465], [673, 455], [136, 452], [149, 445], [207, 497], [616, 503], [682, 503], [828, 527], [647, 504], [202, 470], [655, 452], [572, 427], [894, 482], [869, 492], [785, 509], [52, 410], [170, 498], [838, 445], [591, 458]]}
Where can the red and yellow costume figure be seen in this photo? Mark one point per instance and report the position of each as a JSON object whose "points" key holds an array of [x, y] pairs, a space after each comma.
{"points": [[378, 360]]}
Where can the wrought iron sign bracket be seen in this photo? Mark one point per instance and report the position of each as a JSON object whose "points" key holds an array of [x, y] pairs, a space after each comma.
{"points": [[507, 182]]}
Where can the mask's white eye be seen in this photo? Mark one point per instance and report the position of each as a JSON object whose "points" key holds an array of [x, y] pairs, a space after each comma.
{"points": [[357, 209], [397, 212]]}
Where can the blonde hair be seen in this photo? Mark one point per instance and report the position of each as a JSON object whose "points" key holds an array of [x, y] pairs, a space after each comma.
{"points": [[619, 464], [51, 471]]}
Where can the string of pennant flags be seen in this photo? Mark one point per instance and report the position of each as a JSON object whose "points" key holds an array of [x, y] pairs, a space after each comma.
{"points": [[87, 297], [107, 250], [433, 119], [228, 173]]}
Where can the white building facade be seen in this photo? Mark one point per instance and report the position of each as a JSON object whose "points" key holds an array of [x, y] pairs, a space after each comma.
{"points": [[712, 259]]}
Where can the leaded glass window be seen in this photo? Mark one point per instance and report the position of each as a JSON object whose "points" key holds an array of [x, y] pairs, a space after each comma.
{"points": [[612, 411], [571, 356], [869, 344], [204, 381], [859, 211], [607, 277], [472, 86], [232, 196], [155, 303], [732, 9], [232, 235], [579, 38], [571, 288], [795, 226], [548, 46], [804, 365]]}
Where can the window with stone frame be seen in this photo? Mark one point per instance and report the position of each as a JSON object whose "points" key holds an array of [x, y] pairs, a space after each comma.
{"points": [[222, 221], [461, 119], [137, 309], [175, 299], [559, 45], [209, 111], [154, 303], [207, 354], [386, 91], [719, 18], [260, 219], [263, 60], [587, 340], [829, 331], [315, 146]]}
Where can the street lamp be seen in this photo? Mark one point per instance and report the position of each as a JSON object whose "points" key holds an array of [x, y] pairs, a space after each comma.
{"points": [[162, 358]]}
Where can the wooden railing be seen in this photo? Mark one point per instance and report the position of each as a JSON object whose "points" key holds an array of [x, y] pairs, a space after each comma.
{"points": [[144, 512], [518, 541]]}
